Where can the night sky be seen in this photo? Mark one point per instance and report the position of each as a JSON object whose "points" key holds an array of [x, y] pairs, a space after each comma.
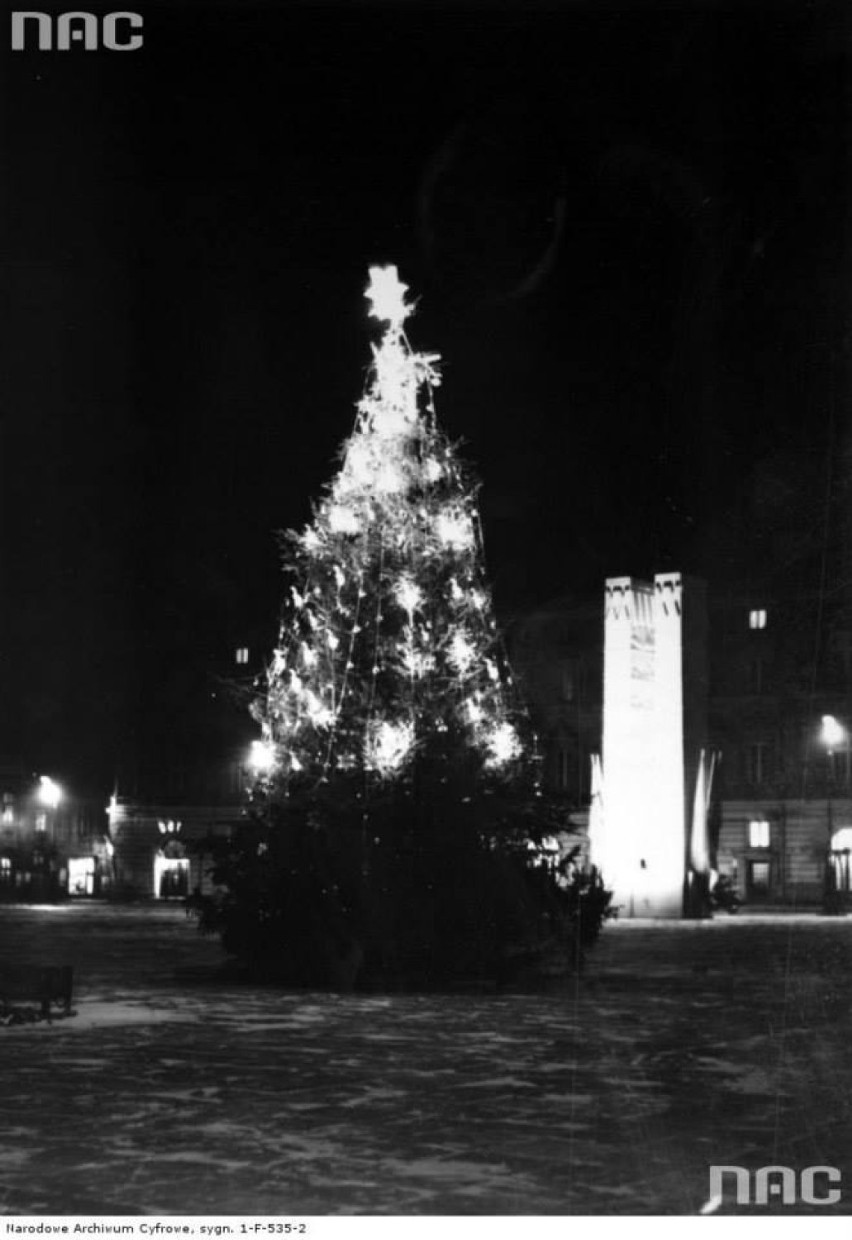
{"points": [[627, 226]]}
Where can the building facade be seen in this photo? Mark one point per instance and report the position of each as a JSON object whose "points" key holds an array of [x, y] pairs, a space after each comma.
{"points": [[778, 687], [781, 718], [155, 853], [184, 779], [182, 783], [556, 653], [52, 844]]}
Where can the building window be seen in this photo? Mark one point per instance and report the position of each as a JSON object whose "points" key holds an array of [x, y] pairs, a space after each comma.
{"points": [[564, 768], [758, 762], [758, 833], [242, 654], [757, 618], [41, 822]]}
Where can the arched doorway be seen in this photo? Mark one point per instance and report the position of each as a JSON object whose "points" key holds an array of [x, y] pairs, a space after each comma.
{"points": [[171, 872], [841, 852], [82, 876]]}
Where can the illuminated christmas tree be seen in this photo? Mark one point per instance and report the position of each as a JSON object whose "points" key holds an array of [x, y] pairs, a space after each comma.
{"points": [[390, 639], [396, 811]]}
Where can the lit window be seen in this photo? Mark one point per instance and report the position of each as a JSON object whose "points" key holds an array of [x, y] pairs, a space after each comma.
{"points": [[757, 618], [5, 865], [242, 655], [41, 822], [8, 815], [758, 833]]}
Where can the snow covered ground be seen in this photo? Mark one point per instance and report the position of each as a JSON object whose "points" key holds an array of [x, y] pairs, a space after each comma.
{"points": [[174, 1092]]}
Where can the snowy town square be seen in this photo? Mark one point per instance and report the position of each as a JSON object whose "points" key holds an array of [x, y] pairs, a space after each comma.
{"points": [[174, 1090], [426, 642]]}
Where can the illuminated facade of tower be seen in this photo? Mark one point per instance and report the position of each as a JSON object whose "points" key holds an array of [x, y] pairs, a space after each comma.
{"points": [[654, 728]]}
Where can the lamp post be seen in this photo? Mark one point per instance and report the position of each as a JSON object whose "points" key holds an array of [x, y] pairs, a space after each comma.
{"points": [[49, 792], [48, 796], [833, 736]]}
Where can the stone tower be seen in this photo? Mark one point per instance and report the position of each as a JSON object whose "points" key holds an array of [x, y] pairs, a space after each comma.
{"points": [[654, 727]]}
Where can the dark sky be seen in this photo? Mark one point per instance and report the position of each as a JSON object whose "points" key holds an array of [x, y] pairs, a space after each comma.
{"points": [[627, 223]]}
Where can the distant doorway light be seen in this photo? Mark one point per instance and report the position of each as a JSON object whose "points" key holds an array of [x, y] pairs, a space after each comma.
{"points": [[81, 876]]}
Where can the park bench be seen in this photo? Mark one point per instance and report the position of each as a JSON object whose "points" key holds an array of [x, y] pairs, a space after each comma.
{"points": [[46, 984]]}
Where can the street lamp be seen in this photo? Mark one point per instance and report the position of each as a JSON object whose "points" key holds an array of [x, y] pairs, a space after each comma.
{"points": [[47, 796], [833, 736], [49, 792]]}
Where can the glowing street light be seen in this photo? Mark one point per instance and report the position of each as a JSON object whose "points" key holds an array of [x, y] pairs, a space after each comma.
{"points": [[833, 733], [833, 736], [49, 792]]}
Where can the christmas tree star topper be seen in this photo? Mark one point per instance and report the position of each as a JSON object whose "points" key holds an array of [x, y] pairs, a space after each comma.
{"points": [[387, 294]]}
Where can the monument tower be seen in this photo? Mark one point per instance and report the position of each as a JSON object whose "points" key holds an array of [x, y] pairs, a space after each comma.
{"points": [[654, 732]]}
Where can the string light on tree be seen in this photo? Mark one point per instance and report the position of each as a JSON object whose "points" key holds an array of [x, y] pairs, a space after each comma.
{"points": [[261, 757], [388, 746], [408, 594]]}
